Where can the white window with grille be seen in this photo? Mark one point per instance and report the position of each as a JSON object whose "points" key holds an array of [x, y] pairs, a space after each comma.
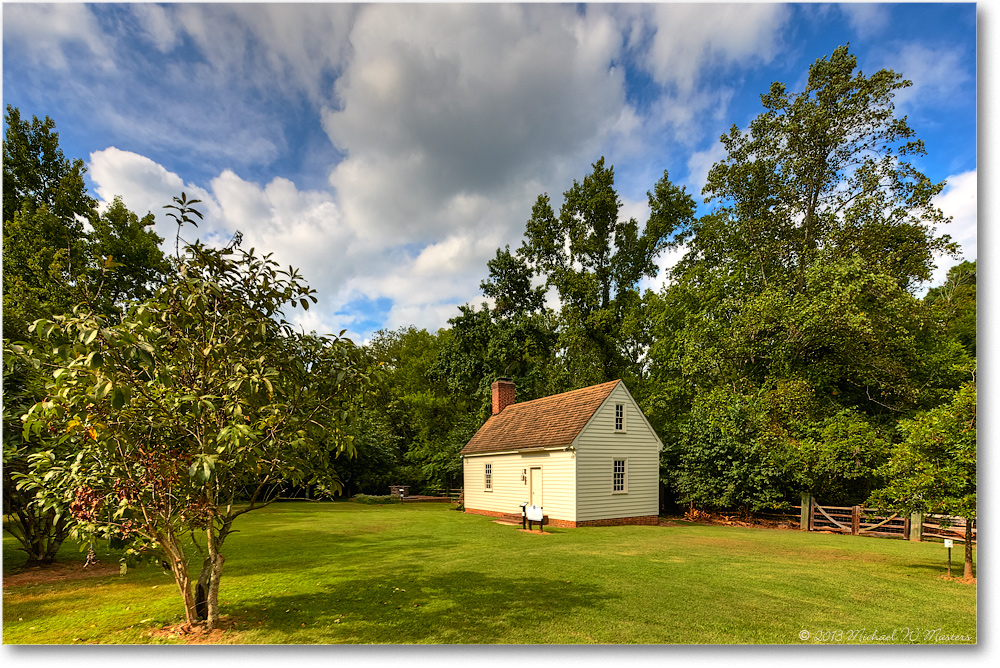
{"points": [[620, 417], [619, 477], [488, 476]]}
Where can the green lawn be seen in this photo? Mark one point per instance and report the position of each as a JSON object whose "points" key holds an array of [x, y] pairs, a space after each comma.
{"points": [[423, 573]]}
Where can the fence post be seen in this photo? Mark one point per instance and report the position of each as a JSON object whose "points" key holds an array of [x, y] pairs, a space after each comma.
{"points": [[855, 520], [805, 518], [916, 527]]}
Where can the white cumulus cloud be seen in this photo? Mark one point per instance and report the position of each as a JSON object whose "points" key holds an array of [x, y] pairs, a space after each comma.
{"points": [[439, 125], [959, 200], [690, 37], [866, 19], [144, 186], [53, 33], [446, 111], [937, 74]]}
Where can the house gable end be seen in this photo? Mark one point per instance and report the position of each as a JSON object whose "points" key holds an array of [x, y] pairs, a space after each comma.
{"points": [[587, 433]]}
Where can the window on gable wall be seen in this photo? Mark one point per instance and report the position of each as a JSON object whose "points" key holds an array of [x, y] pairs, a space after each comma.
{"points": [[619, 417], [618, 482], [489, 477]]}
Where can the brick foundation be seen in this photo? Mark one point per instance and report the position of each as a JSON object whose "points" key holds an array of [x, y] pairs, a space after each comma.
{"points": [[643, 520], [511, 517]]}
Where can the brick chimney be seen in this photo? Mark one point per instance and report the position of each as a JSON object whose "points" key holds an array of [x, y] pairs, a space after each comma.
{"points": [[503, 394]]}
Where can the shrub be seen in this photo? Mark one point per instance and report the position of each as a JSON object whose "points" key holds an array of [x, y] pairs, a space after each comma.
{"points": [[372, 499]]}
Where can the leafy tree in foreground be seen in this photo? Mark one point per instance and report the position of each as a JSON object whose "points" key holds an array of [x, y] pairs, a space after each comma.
{"points": [[933, 470], [192, 410]]}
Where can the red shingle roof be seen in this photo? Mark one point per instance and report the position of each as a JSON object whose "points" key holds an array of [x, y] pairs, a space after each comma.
{"points": [[547, 422]]}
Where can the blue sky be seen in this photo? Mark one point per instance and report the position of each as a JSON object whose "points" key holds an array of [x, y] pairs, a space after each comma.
{"points": [[388, 150]]}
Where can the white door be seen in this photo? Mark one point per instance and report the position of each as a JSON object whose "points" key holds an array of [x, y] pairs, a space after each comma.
{"points": [[535, 486]]}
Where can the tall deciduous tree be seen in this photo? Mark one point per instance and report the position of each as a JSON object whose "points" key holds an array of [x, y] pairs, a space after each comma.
{"points": [[36, 173], [595, 261], [515, 338], [125, 258], [195, 408], [45, 205], [825, 169], [51, 262], [803, 276]]}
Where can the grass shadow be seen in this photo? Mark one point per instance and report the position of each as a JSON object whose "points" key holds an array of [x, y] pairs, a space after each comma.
{"points": [[460, 606]]}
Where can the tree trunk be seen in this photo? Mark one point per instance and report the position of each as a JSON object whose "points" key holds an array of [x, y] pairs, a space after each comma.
{"points": [[213, 591], [968, 548], [201, 589], [58, 531], [179, 567], [211, 574], [39, 533]]}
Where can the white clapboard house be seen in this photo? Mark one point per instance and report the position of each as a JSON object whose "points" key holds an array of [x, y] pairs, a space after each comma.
{"points": [[588, 457]]}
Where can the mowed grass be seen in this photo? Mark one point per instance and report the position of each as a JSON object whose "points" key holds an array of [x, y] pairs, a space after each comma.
{"points": [[423, 573]]}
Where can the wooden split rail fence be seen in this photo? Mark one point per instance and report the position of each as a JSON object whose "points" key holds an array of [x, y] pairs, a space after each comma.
{"points": [[859, 521]]}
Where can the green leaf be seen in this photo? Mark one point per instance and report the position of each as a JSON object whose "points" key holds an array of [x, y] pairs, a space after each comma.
{"points": [[102, 389], [145, 357]]}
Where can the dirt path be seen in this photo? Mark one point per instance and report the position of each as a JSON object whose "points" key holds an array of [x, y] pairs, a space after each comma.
{"points": [[58, 572]]}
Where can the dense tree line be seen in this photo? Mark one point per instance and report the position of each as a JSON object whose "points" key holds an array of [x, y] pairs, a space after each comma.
{"points": [[791, 332], [788, 351]]}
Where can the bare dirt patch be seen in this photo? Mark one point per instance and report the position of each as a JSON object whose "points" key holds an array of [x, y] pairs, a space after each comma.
{"points": [[199, 635], [58, 572], [962, 580]]}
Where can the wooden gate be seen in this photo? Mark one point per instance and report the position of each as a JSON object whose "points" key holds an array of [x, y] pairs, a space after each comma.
{"points": [[857, 521], [940, 527]]}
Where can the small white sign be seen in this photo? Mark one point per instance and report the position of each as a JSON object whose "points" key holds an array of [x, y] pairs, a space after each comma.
{"points": [[534, 513], [948, 542]]}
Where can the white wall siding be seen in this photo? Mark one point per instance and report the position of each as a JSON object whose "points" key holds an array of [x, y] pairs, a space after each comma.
{"points": [[598, 445], [509, 491]]}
